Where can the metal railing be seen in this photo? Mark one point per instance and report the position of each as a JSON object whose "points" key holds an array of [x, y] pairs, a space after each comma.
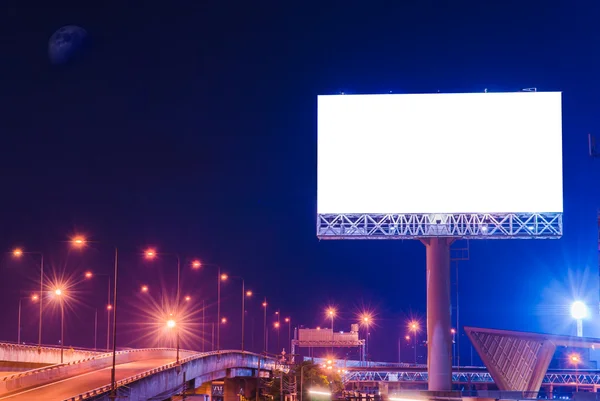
{"points": [[91, 358]]}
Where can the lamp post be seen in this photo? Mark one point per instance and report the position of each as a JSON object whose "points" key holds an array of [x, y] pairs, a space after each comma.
{"points": [[17, 253], [244, 295], [579, 311], [60, 296], [277, 326], [96, 329], [331, 312], [264, 304], [171, 324], [366, 321], [151, 254], [203, 326], [407, 338], [80, 242], [414, 328], [34, 298], [575, 360], [89, 275], [288, 320], [196, 264], [453, 332]]}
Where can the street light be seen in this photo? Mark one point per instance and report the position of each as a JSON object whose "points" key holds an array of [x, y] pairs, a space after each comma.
{"points": [[144, 288], [331, 313], [80, 242], [575, 359], [413, 326], [60, 296], [579, 311], [264, 305], [453, 332], [278, 314], [244, 295], [17, 253], [196, 264], [288, 320], [366, 320], [171, 324], [90, 275], [33, 298]]}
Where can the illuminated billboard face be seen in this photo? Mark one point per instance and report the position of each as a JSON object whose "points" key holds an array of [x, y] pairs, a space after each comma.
{"points": [[440, 153]]}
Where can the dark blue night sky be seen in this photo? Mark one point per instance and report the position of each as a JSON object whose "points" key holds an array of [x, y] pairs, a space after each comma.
{"points": [[191, 126]]}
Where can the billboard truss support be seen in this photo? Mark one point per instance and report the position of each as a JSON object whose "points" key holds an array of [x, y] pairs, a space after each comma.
{"points": [[437, 231], [462, 225]]}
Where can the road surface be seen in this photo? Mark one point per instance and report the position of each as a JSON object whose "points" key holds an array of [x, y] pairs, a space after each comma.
{"points": [[70, 387]]}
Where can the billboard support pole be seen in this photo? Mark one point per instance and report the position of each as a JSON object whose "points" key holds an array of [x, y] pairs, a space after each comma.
{"points": [[439, 335]]}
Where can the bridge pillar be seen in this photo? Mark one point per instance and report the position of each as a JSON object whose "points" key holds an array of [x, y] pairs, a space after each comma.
{"points": [[439, 336]]}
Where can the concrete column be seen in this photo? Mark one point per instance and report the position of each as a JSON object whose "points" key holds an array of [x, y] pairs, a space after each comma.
{"points": [[439, 337]]}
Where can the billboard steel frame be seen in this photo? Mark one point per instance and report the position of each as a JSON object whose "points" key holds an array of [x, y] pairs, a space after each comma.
{"points": [[556, 378], [455, 225], [437, 231]]}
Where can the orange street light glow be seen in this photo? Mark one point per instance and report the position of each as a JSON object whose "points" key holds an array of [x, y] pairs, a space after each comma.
{"points": [[452, 331], [276, 324], [413, 326], [224, 277], [17, 252], [248, 293], [108, 307], [88, 274], [196, 264], [150, 253], [574, 358], [264, 304], [170, 323], [34, 297], [287, 319], [407, 338], [78, 241], [331, 312], [223, 320], [144, 288], [188, 298], [58, 291]]}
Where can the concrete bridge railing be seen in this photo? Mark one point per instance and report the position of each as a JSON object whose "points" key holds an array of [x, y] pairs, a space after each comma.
{"points": [[147, 384], [48, 355], [49, 374]]}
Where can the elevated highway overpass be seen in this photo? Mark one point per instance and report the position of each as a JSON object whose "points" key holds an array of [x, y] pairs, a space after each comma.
{"points": [[141, 374]]}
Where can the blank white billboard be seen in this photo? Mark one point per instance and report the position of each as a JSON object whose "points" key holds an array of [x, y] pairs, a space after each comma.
{"points": [[440, 153]]}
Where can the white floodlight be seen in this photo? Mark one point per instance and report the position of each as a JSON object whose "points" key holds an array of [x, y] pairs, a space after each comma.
{"points": [[579, 310]]}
